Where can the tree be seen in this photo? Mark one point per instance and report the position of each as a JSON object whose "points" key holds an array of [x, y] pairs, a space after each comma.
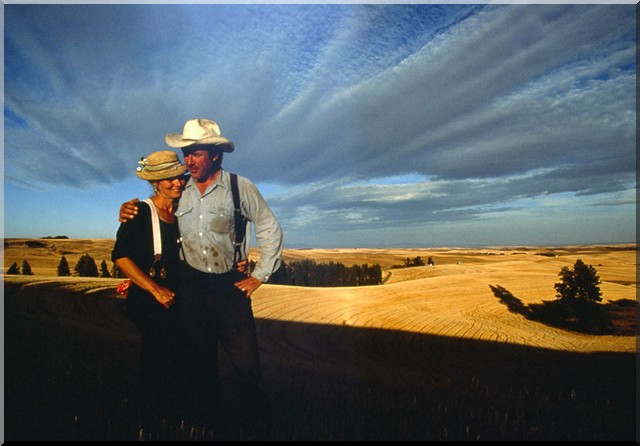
{"points": [[581, 284], [587, 282], [26, 269], [14, 269], [416, 261], [116, 272], [63, 267], [86, 267], [104, 269]]}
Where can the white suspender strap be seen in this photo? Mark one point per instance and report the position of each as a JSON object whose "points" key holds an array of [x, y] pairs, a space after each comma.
{"points": [[155, 224]]}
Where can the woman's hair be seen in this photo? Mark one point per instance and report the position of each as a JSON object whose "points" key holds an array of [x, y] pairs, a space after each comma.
{"points": [[152, 183]]}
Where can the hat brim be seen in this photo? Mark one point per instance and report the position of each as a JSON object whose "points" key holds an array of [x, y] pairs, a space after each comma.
{"points": [[176, 141], [163, 174]]}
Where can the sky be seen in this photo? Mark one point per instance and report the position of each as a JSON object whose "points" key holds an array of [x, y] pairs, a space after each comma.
{"points": [[363, 125]]}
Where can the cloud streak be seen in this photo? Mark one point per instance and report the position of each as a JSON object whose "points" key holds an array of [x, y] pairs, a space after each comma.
{"points": [[352, 117]]}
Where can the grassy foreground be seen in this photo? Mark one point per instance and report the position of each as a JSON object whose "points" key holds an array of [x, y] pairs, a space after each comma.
{"points": [[70, 356]]}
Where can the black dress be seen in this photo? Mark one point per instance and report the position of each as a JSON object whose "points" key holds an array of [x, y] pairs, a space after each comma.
{"points": [[161, 335]]}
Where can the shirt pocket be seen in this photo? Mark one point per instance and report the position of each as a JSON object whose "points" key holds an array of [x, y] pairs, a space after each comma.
{"points": [[187, 220], [220, 221]]}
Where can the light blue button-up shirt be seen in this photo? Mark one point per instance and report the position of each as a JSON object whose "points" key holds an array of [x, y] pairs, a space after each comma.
{"points": [[207, 227]]}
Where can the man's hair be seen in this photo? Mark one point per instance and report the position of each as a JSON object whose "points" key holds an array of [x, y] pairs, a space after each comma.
{"points": [[211, 148], [218, 162]]}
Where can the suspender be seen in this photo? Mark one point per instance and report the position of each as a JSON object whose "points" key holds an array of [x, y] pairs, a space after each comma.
{"points": [[155, 224], [239, 219], [157, 241]]}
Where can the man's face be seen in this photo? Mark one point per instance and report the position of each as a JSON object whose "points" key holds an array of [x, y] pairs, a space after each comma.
{"points": [[200, 162]]}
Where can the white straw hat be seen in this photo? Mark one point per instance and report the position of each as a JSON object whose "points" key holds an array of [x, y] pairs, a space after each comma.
{"points": [[201, 132]]}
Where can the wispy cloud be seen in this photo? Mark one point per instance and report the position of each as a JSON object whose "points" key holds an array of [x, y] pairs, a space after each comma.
{"points": [[485, 108]]}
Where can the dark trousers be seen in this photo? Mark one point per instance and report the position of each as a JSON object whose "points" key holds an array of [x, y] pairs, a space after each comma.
{"points": [[215, 313], [160, 373]]}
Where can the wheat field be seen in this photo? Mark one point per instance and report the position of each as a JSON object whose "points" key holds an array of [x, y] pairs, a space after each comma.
{"points": [[434, 353], [454, 297]]}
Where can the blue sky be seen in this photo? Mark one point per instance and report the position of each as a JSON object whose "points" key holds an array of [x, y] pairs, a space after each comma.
{"points": [[386, 125]]}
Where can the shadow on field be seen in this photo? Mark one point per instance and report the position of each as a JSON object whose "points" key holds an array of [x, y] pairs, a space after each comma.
{"points": [[613, 318], [70, 361]]}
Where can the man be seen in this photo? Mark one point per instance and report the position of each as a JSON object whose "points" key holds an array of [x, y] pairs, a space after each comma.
{"points": [[214, 298]]}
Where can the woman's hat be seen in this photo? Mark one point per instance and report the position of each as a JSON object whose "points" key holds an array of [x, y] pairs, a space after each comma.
{"points": [[160, 166], [199, 131]]}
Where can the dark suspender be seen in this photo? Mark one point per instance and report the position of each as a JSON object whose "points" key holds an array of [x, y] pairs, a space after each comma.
{"points": [[240, 220]]}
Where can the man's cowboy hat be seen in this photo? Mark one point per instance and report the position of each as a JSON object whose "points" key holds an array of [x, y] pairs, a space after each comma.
{"points": [[201, 132], [160, 165]]}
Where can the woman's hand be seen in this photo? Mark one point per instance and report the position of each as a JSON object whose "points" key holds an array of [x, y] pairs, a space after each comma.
{"points": [[163, 295]]}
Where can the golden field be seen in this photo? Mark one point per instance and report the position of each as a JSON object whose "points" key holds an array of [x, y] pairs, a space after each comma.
{"points": [[454, 298], [441, 352]]}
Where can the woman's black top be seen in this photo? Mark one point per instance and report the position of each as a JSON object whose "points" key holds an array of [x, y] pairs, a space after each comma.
{"points": [[134, 240]]}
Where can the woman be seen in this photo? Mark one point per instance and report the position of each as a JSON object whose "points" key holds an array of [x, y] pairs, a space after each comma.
{"points": [[154, 279]]}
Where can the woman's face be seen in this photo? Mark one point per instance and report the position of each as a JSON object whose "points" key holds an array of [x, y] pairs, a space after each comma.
{"points": [[171, 188]]}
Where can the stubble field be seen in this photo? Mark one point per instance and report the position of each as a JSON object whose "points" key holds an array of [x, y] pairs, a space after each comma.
{"points": [[434, 353]]}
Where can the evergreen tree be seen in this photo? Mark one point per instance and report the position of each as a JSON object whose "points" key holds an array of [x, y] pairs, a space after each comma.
{"points": [[581, 283], [116, 272], [26, 269], [86, 267], [14, 269], [587, 282], [104, 269], [63, 267]]}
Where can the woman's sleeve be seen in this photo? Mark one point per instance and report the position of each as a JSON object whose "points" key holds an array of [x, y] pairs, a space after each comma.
{"points": [[129, 237]]}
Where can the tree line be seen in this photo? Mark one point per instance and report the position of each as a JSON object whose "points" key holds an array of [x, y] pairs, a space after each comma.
{"points": [[332, 274], [85, 267]]}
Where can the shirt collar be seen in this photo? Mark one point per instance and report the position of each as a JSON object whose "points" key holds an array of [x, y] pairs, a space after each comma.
{"points": [[223, 180]]}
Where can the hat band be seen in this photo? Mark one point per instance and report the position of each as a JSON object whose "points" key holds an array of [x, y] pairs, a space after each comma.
{"points": [[164, 166]]}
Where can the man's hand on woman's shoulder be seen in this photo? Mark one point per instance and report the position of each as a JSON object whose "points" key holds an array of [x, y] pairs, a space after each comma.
{"points": [[128, 210]]}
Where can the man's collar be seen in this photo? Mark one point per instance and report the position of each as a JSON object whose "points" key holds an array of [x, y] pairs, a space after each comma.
{"points": [[223, 180]]}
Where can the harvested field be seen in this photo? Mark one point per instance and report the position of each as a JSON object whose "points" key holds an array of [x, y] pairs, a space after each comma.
{"points": [[434, 353]]}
